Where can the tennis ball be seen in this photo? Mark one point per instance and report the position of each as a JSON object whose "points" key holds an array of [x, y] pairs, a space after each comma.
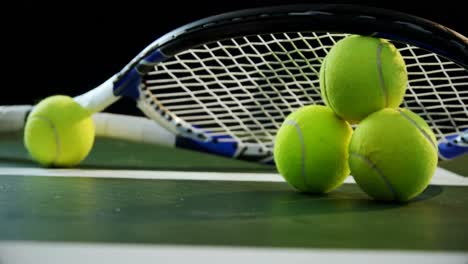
{"points": [[361, 75], [311, 149], [59, 132], [393, 155]]}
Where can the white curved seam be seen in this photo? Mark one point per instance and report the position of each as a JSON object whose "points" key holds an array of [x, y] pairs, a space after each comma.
{"points": [[301, 140], [377, 170], [57, 139], [418, 127], [380, 70]]}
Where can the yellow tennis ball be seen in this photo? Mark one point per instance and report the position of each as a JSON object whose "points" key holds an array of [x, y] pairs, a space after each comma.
{"points": [[59, 132], [311, 149], [361, 75], [393, 155]]}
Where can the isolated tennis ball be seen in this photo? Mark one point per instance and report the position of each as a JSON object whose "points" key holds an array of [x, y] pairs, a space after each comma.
{"points": [[59, 132], [393, 155], [311, 149], [361, 75]]}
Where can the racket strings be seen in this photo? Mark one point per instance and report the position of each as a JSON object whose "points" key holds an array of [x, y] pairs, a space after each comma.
{"points": [[242, 89], [437, 91]]}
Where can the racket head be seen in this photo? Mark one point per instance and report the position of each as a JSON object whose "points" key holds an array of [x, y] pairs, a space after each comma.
{"points": [[178, 80]]}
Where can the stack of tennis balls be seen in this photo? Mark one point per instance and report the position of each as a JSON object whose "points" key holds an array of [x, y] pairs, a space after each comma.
{"points": [[392, 153], [59, 132]]}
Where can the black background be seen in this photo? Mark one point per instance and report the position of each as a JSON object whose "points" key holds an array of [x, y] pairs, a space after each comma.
{"points": [[68, 47]]}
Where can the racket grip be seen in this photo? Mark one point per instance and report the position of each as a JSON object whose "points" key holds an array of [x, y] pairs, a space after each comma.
{"points": [[132, 128], [13, 118]]}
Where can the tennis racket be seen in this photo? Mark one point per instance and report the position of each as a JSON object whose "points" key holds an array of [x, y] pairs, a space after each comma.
{"points": [[224, 84]]}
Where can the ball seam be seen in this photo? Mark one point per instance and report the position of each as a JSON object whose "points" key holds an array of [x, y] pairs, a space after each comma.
{"points": [[325, 87], [55, 132], [380, 70], [301, 141], [374, 167], [418, 127]]}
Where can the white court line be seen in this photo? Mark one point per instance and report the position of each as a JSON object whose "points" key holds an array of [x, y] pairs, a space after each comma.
{"points": [[441, 176], [71, 253]]}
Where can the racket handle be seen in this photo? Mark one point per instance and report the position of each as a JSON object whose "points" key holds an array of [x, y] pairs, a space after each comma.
{"points": [[453, 146], [131, 128], [13, 118]]}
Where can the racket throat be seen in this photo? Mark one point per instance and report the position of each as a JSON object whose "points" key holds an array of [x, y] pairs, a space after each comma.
{"points": [[174, 125], [99, 98]]}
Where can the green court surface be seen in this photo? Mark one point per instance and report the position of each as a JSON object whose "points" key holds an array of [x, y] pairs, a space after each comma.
{"points": [[201, 212]]}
